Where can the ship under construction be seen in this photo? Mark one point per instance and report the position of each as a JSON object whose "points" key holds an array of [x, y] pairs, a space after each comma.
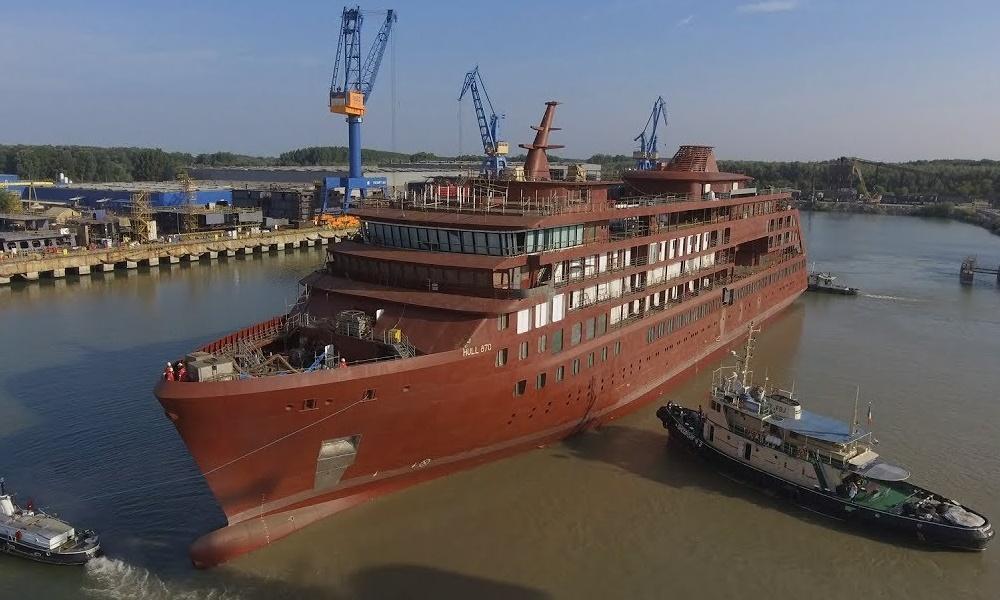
{"points": [[472, 320]]}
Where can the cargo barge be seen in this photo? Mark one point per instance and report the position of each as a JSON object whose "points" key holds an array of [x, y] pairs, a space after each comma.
{"points": [[467, 322]]}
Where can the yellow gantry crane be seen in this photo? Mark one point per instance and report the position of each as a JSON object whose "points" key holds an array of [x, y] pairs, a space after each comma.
{"points": [[31, 185]]}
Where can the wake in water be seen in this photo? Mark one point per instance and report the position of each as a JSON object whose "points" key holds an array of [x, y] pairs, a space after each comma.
{"points": [[112, 578], [894, 298]]}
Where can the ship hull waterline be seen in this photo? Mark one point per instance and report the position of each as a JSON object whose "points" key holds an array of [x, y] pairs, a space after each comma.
{"points": [[253, 527]]}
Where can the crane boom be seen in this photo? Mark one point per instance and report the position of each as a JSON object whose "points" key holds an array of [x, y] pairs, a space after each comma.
{"points": [[495, 150], [645, 157], [374, 60]]}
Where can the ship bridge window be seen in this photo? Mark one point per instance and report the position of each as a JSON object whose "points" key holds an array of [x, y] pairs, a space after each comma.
{"points": [[473, 241], [442, 240]]}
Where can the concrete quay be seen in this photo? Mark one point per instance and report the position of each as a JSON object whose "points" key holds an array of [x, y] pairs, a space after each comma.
{"points": [[33, 267]]}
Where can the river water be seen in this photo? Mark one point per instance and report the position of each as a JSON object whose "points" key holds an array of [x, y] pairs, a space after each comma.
{"points": [[609, 513]]}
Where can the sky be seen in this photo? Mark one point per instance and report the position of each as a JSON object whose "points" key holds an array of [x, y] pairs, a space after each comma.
{"points": [[758, 79]]}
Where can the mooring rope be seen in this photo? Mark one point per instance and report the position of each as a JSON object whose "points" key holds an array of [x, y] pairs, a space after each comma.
{"points": [[225, 464]]}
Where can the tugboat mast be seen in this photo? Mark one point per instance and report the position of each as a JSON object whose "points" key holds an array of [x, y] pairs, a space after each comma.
{"points": [[747, 354]]}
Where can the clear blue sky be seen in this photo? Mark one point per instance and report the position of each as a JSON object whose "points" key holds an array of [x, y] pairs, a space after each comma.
{"points": [[774, 79]]}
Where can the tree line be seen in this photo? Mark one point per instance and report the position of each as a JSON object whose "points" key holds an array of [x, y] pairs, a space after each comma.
{"points": [[949, 178], [98, 164]]}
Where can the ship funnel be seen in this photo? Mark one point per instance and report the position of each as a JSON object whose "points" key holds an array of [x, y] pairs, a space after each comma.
{"points": [[536, 166]]}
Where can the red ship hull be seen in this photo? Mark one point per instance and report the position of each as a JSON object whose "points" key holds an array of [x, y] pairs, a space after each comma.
{"points": [[457, 330], [426, 417]]}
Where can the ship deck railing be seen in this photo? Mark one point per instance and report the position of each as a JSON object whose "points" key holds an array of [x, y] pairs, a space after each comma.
{"points": [[494, 199], [256, 335], [244, 346], [641, 200], [639, 261], [638, 201]]}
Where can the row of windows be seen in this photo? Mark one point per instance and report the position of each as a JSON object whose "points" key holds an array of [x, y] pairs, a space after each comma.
{"points": [[590, 266], [779, 223], [417, 275], [441, 240], [553, 238], [779, 239], [684, 319], [576, 366], [677, 322], [760, 284], [587, 329], [465, 241], [743, 211]]}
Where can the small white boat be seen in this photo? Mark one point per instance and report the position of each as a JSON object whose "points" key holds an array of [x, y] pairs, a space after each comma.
{"points": [[32, 534]]}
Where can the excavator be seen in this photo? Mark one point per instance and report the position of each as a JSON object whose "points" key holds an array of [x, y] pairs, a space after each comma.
{"points": [[851, 168]]}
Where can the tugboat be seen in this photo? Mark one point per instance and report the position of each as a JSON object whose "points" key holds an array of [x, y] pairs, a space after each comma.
{"points": [[824, 282], [32, 534], [764, 436]]}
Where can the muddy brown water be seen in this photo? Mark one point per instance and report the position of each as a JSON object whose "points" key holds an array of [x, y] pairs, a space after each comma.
{"points": [[608, 513]]}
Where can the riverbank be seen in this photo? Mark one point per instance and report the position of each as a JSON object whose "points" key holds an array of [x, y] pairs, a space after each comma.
{"points": [[987, 218]]}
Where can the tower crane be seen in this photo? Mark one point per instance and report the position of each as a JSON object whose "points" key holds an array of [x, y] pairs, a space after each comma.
{"points": [[645, 157], [495, 150], [350, 88]]}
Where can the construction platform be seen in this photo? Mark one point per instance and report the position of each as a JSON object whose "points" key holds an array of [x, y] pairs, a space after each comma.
{"points": [[32, 267]]}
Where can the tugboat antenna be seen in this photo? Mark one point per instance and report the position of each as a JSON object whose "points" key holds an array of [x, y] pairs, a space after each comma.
{"points": [[857, 396], [748, 352]]}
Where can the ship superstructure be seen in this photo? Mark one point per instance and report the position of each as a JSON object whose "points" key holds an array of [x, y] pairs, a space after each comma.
{"points": [[470, 320]]}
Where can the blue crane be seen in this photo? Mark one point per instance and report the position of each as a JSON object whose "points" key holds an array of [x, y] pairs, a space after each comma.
{"points": [[494, 148], [645, 157], [350, 88]]}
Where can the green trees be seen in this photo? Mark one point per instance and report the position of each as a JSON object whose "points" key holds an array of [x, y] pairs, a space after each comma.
{"points": [[951, 179], [10, 202], [337, 155]]}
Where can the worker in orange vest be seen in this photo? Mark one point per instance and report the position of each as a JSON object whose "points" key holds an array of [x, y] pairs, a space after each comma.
{"points": [[181, 371], [168, 373]]}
